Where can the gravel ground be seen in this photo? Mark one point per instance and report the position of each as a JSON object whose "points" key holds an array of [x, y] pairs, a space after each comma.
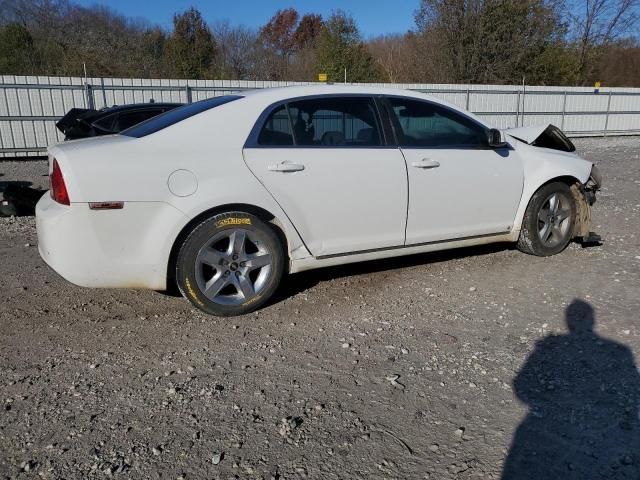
{"points": [[34, 172], [440, 366]]}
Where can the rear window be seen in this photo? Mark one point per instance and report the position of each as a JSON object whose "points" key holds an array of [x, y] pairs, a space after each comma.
{"points": [[129, 119], [176, 115]]}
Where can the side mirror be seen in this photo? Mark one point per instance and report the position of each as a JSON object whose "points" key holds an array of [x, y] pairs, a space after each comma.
{"points": [[495, 139]]}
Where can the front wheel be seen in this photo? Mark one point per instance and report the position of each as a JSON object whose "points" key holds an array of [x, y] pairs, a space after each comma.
{"points": [[548, 223], [230, 264]]}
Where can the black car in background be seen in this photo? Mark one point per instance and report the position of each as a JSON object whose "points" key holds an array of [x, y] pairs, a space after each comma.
{"points": [[83, 122], [19, 198]]}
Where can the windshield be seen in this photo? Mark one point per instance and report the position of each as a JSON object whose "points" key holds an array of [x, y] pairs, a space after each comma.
{"points": [[176, 115]]}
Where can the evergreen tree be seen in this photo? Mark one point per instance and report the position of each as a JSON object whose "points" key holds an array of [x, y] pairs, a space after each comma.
{"points": [[190, 49], [340, 46], [17, 51], [494, 41]]}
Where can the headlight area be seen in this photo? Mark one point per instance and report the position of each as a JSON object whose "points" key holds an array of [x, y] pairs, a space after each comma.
{"points": [[593, 185], [595, 179], [585, 196]]}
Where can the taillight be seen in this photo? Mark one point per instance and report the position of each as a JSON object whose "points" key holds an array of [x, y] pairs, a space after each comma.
{"points": [[58, 188]]}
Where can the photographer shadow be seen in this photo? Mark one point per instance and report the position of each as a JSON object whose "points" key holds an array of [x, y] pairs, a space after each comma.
{"points": [[583, 393]]}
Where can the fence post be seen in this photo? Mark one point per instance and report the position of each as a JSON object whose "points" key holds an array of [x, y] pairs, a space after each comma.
{"points": [[187, 91], [467, 100], [104, 92], [517, 109], [564, 109], [606, 118], [524, 102], [88, 92]]}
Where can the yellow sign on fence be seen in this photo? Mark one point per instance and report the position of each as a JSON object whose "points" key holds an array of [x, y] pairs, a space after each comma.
{"points": [[322, 77]]}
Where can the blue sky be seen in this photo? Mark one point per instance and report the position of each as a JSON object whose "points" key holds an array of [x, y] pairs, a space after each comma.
{"points": [[374, 17]]}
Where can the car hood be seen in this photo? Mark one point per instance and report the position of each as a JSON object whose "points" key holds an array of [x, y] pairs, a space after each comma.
{"points": [[543, 136], [526, 134]]}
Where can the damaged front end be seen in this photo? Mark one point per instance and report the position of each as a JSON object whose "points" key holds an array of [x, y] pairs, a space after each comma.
{"points": [[585, 196], [543, 136], [551, 137]]}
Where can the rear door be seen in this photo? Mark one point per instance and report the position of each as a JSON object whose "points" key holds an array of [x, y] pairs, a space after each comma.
{"points": [[458, 186], [325, 161]]}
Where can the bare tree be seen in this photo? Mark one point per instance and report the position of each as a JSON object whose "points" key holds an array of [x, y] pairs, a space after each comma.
{"points": [[304, 65], [238, 47], [407, 58], [597, 23], [619, 64], [390, 54]]}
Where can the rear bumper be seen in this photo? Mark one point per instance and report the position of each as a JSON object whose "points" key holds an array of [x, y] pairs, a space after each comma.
{"points": [[126, 248]]}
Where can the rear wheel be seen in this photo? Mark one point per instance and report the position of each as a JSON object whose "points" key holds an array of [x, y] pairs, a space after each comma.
{"points": [[548, 223], [230, 264]]}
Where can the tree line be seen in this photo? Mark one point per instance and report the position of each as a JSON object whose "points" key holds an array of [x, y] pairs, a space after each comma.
{"points": [[544, 42]]}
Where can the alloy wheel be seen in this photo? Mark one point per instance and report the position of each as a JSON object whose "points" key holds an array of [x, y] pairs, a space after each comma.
{"points": [[554, 219], [233, 267]]}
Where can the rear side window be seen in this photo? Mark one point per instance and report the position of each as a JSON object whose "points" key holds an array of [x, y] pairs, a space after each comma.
{"points": [[323, 122], [176, 115], [335, 122], [424, 124], [277, 129]]}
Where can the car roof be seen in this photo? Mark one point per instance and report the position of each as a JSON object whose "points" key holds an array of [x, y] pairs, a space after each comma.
{"points": [[278, 94], [322, 89]]}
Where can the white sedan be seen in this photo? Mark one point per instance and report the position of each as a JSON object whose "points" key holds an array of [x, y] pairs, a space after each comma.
{"points": [[224, 196]]}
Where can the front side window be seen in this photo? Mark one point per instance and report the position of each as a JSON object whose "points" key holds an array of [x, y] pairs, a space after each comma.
{"points": [[334, 122], [424, 124]]}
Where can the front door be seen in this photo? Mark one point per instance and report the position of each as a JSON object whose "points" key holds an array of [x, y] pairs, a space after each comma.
{"points": [[324, 160], [458, 186]]}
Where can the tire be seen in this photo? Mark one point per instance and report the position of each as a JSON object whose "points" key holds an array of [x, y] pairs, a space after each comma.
{"points": [[230, 264], [548, 224]]}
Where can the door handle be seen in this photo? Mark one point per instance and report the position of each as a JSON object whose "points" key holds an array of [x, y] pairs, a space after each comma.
{"points": [[286, 167], [426, 163]]}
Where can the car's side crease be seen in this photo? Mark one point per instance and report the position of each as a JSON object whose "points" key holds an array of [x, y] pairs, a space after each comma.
{"points": [[413, 245]]}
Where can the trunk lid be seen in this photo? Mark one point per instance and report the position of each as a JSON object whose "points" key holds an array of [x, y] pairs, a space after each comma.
{"points": [[76, 119]]}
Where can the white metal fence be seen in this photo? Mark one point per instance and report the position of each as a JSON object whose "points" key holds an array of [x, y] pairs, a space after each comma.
{"points": [[30, 106]]}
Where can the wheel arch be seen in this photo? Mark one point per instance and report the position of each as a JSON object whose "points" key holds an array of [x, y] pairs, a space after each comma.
{"points": [[263, 214], [531, 190], [568, 180]]}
